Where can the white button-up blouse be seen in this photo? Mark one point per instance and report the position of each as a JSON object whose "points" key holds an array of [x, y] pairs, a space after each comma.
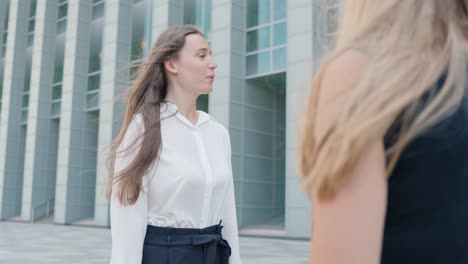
{"points": [[189, 186]]}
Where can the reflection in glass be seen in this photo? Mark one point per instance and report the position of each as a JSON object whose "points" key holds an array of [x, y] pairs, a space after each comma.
{"points": [[258, 12], [279, 34], [279, 9], [258, 39], [279, 59]]}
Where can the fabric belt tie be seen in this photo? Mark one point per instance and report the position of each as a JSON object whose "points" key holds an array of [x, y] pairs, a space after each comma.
{"points": [[209, 242]]}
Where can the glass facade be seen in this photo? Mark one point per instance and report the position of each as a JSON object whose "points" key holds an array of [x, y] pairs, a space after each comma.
{"points": [[27, 77], [4, 35], [4, 30], [95, 56], [250, 99], [31, 22], [141, 36], [198, 12], [56, 98], [266, 37]]}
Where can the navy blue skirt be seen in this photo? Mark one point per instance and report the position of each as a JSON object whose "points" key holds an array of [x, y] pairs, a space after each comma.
{"points": [[167, 245]]}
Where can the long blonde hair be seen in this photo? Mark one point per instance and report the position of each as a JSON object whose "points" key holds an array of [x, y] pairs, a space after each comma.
{"points": [[409, 44]]}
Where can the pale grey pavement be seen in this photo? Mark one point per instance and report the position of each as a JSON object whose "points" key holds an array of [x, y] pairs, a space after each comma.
{"points": [[24, 243]]}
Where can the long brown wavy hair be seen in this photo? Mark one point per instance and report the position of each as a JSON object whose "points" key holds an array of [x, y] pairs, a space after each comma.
{"points": [[409, 44], [146, 94]]}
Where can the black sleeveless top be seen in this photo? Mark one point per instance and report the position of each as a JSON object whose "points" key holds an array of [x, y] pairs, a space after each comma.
{"points": [[427, 208]]}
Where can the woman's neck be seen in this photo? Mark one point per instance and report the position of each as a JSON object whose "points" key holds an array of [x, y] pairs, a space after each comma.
{"points": [[186, 106]]}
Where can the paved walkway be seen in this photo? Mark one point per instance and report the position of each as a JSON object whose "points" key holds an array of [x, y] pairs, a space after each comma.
{"points": [[23, 243]]}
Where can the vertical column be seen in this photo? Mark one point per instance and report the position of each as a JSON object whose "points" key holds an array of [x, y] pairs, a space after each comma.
{"points": [[165, 14], [115, 75], [35, 198], [303, 50], [227, 44], [73, 119], [11, 145]]}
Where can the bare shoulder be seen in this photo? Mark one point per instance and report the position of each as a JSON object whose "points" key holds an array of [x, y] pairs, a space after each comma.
{"points": [[343, 72], [340, 76]]}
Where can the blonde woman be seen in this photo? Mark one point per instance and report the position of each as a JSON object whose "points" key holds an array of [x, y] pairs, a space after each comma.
{"points": [[384, 154]]}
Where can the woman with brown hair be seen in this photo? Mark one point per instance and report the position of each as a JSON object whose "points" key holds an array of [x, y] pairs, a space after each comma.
{"points": [[385, 146], [172, 180]]}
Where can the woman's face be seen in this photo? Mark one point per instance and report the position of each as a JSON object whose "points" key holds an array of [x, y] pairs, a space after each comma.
{"points": [[195, 68]]}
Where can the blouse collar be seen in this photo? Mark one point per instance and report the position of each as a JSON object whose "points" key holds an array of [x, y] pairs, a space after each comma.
{"points": [[169, 109]]}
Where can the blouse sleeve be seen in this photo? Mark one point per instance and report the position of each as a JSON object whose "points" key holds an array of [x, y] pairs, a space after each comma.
{"points": [[128, 222], [230, 230]]}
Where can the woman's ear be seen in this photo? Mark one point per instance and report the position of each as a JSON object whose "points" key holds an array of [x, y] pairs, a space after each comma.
{"points": [[170, 66]]}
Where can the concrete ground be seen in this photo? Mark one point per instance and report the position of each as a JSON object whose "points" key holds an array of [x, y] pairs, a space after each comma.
{"points": [[24, 243]]}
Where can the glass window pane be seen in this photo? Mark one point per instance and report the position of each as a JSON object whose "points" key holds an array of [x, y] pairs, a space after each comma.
{"points": [[95, 61], [279, 59], [32, 8], [57, 92], [138, 32], [93, 82], [62, 1], [258, 39], [5, 37], [251, 67], [61, 26], [96, 46], [202, 103], [58, 71], [279, 9], [279, 34], [58, 58], [199, 13], [258, 63], [27, 76], [189, 12], [24, 116], [207, 25], [264, 38], [7, 15], [98, 11], [55, 109], [31, 26], [258, 12], [30, 39], [252, 40], [25, 102], [263, 11], [62, 11], [3, 51], [264, 62], [92, 101]]}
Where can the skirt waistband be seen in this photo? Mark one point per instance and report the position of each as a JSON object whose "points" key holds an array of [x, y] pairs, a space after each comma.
{"points": [[174, 231], [208, 239]]}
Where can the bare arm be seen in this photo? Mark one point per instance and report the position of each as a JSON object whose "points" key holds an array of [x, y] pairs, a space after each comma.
{"points": [[349, 228]]}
